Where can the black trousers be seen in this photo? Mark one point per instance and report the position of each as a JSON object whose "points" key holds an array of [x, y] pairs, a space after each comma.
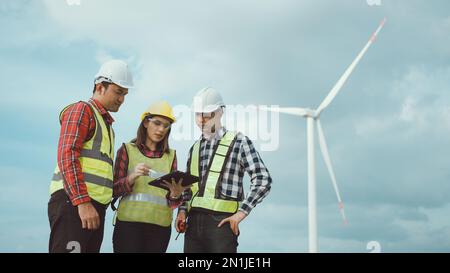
{"points": [[67, 234], [131, 237], [203, 235]]}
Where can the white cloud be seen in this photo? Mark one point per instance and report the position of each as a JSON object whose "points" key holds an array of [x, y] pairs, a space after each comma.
{"points": [[102, 56], [373, 125], [408, 112], [422, 99]]}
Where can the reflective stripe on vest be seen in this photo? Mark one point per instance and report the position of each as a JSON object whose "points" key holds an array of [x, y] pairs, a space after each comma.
{"points": [[146, 204], [208, 196], [96, 155], [94, 179], [143, 197], [96, 161]]}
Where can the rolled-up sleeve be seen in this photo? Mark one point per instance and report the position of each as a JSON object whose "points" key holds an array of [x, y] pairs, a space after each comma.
{"points": [[260, 178]]}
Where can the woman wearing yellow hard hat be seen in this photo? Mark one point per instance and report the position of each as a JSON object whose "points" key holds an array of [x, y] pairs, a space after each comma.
{"points": [[144, 214]]}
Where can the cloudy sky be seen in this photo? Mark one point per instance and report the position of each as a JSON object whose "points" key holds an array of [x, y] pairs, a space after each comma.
{"points": [[387, 131]]}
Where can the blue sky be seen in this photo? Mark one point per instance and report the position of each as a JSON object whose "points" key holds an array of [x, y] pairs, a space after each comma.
{"points": [[387, 130]]}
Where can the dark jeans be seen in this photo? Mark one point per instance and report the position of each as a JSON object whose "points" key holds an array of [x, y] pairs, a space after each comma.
{"points": [[203, 235], [130, 237], [67, 234]]}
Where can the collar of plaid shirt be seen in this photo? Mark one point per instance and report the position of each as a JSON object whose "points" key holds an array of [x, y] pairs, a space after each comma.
{"points": [[105, 114]]}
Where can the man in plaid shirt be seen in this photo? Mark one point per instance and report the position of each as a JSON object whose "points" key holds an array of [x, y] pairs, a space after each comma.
{"points": [[81, 187], [220, 158]]}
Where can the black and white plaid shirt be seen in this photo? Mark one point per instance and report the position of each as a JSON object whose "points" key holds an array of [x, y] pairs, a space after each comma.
{"points": [[243, 158]]}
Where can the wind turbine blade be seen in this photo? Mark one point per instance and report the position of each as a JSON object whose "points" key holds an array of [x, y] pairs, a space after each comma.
{"points": [[337, 87], [326, 157], [286, 110]]}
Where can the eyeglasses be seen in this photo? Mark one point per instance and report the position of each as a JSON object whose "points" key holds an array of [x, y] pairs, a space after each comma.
{"points": [[206, 115], [158, 123]]}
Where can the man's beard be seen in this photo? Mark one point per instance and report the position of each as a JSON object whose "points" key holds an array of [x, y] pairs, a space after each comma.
{"points": [[209, 130]]}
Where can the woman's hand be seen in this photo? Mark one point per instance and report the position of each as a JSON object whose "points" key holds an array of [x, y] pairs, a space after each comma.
{"points": [[176, 189], [140, 170]]}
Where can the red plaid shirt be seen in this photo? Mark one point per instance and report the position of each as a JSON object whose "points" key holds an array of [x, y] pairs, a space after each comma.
{"points": [[77, 127], [121, 184]]}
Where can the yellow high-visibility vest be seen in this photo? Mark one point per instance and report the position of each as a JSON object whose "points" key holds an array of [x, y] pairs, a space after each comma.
{"points": [[96, 160], [207, 196], [146, 204]]}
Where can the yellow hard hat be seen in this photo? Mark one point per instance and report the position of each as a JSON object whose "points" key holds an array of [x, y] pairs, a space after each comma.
{"points": [[159, 109]]}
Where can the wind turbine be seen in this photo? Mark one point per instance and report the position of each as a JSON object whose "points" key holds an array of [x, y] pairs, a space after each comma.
{"points": [[312, 119]]}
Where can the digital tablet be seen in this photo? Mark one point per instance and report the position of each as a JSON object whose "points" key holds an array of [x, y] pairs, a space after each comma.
{"points": [[188, 179]]}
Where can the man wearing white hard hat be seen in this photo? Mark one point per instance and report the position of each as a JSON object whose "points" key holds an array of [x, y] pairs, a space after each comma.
{"points": [[82, 183], [220, 158]]}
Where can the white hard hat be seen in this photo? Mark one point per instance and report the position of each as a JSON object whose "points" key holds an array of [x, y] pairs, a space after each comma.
{"points": [[207, 100], [115, 71]]}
